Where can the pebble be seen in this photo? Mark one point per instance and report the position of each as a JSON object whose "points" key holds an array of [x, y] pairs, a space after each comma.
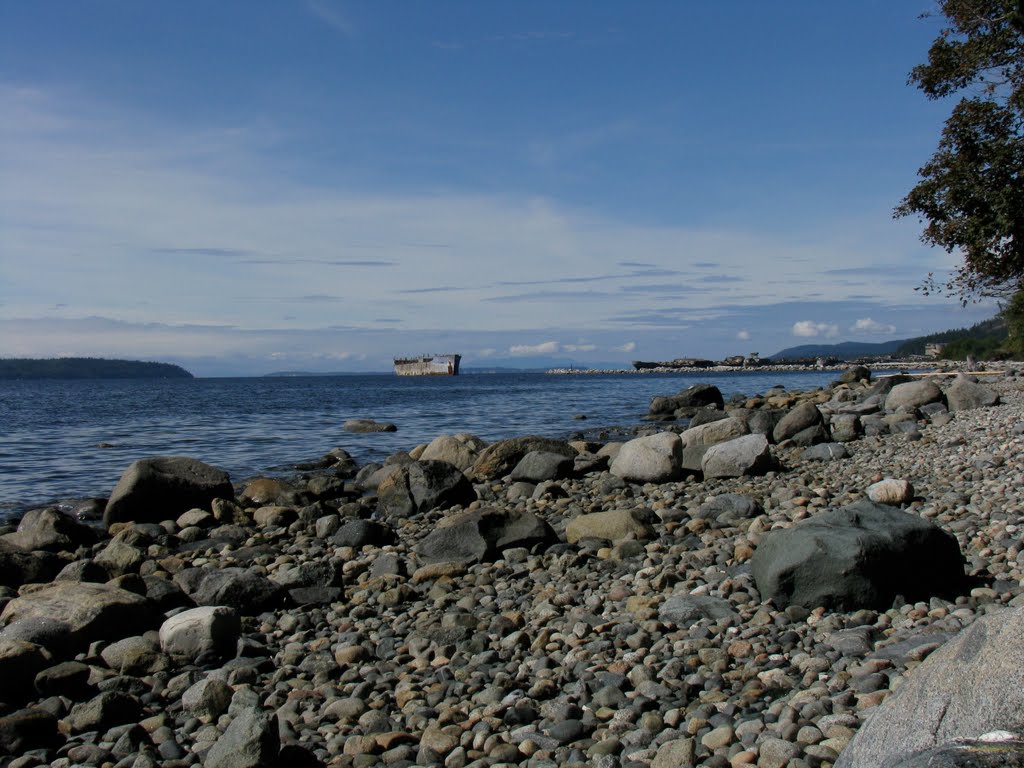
{"points": [[643, 652]]}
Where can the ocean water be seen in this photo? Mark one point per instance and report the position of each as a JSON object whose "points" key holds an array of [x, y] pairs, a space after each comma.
{"points": [[73, 439]]}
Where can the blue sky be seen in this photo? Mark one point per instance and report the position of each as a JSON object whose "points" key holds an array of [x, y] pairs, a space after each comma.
{"points": [[245, 187]]}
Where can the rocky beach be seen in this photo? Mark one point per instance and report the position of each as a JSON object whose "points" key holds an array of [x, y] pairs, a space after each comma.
{"points": [[796, 579]]}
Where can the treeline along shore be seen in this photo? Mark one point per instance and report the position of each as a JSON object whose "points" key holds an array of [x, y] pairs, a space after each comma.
{"points": [[87, 368], [795, 579]]}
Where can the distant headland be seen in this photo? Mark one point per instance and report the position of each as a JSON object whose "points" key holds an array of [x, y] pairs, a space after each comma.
{"points": [[88, 368]]}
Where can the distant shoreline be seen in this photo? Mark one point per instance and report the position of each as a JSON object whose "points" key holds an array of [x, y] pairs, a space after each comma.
{"points": [[18, 369], [952, 366]]}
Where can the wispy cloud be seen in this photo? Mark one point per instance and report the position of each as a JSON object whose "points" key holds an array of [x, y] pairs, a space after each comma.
{"points": [[544, 348], [215, 252], [547, 296], [331, 14]]}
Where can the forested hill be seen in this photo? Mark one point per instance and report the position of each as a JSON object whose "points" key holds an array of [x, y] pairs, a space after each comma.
{"points": [[88, 368]]}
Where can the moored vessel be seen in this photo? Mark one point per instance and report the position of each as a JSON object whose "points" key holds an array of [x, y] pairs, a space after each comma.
{"points": [[428, 365]]}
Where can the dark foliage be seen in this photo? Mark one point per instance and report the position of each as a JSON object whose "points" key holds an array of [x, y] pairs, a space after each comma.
{"points": [[971, 192], [88, 368]]}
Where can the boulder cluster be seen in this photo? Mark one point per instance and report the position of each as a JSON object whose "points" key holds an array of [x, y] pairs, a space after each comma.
{"points": [[798, 579]]}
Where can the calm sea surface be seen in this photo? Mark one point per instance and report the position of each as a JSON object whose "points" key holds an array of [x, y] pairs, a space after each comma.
{"points": [[51, 431]]}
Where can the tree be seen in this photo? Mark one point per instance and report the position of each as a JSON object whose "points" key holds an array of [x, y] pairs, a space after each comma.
{"points": [[971, 192]]}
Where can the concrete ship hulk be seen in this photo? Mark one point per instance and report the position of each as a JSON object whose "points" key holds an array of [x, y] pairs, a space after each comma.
{"points": [[428, 365]]}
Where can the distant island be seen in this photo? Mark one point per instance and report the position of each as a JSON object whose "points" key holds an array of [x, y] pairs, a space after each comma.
{"points": [[88, 368]]}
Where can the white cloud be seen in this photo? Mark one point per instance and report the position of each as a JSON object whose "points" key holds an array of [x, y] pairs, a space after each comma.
{"points": [[89, 190], [544, 348], [743, 334], [867, 325], [810, 329]]}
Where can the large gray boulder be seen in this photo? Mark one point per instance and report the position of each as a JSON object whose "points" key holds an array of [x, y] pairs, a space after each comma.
{"points": [[462, 450], [994, 750], [747, 455], [913, 394], [718, 431], [651, 459], [538, 466], [51, 530], [964, 394], [421, 486], [972, 685], [252, 740], [164, 487], [66, 616], [804, 416], [206, 630], [845, 427], [860, 556], [498, 459], [483, 534]]}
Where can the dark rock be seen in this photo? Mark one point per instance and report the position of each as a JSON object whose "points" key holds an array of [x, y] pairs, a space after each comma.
{"points": [[857, 641], [69, 678], [972, 685], [964, 394], [825, 452], [498, 459], [311, 573], [845, 427], [164, 594], [707, 415], [693, 397], [50, 530], [83, 570], [421, 486], [18, 567], [19, 663], [810, 436], [250, 741], [538, 466], [363, 533], [108, 709], [245, 590], [684, 610], [853, 374], [860, 556], [966, 753], [764, 420], [28, 729], [368, 425], [483, 534], [74, 614], [162, 488], [802, 417], [729, 508]]}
